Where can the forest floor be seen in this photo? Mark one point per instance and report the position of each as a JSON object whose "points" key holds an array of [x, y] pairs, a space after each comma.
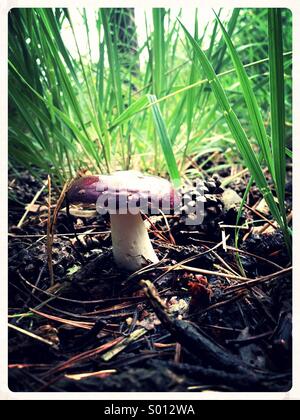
{"points": [[191, 323]]}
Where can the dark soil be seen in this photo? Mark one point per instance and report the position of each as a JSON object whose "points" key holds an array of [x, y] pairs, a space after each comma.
{"points": [[228, 339]]}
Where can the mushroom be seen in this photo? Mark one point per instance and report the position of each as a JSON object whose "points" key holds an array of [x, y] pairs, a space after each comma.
{"points": [[124, 194]]}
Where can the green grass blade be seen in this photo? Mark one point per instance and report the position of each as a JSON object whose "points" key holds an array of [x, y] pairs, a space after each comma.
{"points": [[237, 229], [191, 94], [115, 71], [165, 142], [289, 153], [251, 102], [236, 129], [51, 23], [133, 108], [277, 101], [218, 58], [158, 50], [113, 60], [87, 145]]}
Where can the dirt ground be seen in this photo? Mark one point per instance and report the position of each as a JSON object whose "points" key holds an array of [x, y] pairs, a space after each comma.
{"points": [[170, 328]]}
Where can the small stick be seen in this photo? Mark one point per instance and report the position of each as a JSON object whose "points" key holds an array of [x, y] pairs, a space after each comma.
{"points": [[51, 225], [32, 335], [248, 282], [177, 355], [13, 235], [171, 237], [224, 240], [82, 356], [259, 214], [58, 205], [49, 235], [78, 324], [31, 204], [234, 227], [98, 374], [249, 339], [255, 282], [219, 304], [81, 302], [156, 232], [224, 262], [231, 248], [213, 273], [177, 265], [266, 225], [192, 339]]}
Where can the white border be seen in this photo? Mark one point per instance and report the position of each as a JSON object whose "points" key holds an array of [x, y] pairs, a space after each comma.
{"points": [[5, 393]]}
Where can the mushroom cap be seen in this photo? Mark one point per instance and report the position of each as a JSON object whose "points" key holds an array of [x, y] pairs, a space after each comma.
{"points": [[123, 189]]}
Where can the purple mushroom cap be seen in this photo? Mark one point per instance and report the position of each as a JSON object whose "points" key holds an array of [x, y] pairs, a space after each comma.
{"points": [[122, 189], [83, 190]]}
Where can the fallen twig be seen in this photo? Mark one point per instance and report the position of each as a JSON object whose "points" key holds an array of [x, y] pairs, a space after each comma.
{"points": [[192, 339], [83, 356], [32, 335], [30, 205], [255, 282], [135, 335], [49, 235]]}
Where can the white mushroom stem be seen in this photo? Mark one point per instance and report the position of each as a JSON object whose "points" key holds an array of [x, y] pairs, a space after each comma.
{"points": [[132, 247]]}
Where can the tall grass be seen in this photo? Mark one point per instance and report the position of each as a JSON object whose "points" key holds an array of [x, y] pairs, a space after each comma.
{"points": [[69, 112], [221, 91], [272, 152]]}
